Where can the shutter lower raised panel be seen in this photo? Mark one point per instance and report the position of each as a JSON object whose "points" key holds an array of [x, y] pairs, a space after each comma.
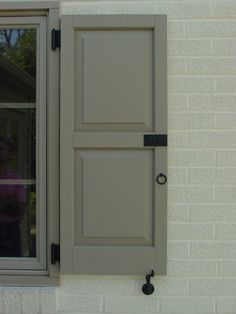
{"points": [[113, 91]]}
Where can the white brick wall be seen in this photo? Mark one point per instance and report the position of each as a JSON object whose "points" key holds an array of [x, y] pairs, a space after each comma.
{"points": [[202, 176]]}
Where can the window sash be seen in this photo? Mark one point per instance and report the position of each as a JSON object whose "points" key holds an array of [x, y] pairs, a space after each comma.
{"points": [[19, 265]]}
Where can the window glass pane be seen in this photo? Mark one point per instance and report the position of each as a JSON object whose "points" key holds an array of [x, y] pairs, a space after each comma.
{"points": [[17, 128], [18, 65], [18, 142], [17, 219]]}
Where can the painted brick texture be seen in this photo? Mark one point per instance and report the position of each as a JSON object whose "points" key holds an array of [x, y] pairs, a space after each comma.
{"points": [[202, 176]]}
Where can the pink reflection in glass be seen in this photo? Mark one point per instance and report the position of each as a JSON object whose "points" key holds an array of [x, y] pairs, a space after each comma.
{"points": [[12, 205]]}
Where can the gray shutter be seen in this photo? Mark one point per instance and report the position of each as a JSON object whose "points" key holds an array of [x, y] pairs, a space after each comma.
{"points": [[113, 91]]}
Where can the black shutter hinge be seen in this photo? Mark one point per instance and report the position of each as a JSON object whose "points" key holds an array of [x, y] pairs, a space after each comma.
{"points": [[56, 38], [55, 253]]}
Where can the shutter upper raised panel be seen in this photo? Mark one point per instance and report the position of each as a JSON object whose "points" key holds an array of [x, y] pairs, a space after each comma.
{"points": [[106, 63], [113, 91]]}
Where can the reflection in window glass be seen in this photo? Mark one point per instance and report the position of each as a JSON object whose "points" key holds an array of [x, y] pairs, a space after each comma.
{"points": [[17, 142], [18, 125], [17, 65]]}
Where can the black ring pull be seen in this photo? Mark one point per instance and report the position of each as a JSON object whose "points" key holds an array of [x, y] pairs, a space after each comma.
{"points": [[161, 179]]}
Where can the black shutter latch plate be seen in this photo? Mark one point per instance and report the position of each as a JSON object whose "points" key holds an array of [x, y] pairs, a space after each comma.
{"points": [[155, 139]]}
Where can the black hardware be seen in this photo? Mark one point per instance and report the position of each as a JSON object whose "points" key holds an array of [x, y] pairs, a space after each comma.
{"points": [[55, 253], [161, 179], [56, 38], [155, 139], [148, 288]]}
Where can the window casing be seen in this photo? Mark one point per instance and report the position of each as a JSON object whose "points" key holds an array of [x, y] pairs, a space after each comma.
{"points": [[41, 17]]}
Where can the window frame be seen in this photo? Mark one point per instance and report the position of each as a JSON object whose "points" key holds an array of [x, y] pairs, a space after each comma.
{"points": [[30, 276]]}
